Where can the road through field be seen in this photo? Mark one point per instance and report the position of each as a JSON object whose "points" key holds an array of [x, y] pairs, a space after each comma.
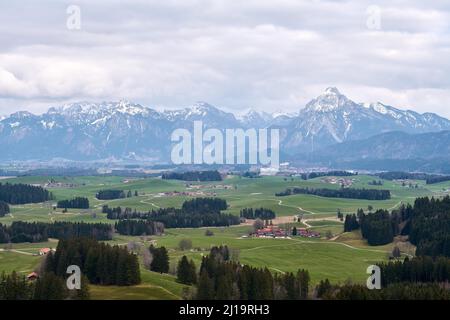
{"points": [[16, 251]]}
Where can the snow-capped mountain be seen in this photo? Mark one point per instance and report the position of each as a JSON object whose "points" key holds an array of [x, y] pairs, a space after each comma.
{"points": [[124, 130], [333, 118], [210, 115], [253, 118]]}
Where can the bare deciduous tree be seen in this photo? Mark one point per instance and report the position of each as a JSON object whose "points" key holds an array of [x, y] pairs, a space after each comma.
{"points": [[147, 258]]}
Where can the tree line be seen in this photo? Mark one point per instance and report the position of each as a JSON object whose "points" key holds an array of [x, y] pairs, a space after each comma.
{"points": [[20, 231], [75, 203], [195, 213], [418, 269], [428, 226], [47, 287], [204, 205], [139, 227], [23, 193], [211, 175], [400, 175], [348, 193], [176, 218], [378, 227], [110, 194], [337, 173], [101, 263], [4, 208], [258, 213], [396, 291], [426, 223], [223, 279]]}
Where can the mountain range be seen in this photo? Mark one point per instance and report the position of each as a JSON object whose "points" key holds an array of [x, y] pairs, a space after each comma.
{"points": [[327, 127]]}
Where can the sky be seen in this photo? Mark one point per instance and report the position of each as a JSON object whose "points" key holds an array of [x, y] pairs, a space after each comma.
{"points": [[261, 54]]}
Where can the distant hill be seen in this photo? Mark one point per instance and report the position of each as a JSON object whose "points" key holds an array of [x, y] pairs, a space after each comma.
{"points": [[392, 151]]}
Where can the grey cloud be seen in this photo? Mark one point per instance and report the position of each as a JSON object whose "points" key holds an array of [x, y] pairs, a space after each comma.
{"points": [[262, 54]]}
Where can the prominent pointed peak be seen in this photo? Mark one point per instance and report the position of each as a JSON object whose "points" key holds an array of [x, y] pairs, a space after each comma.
{"points": [[331, 99], [332, 90]]}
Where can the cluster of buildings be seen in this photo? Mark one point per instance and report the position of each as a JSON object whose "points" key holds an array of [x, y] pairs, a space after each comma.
{"points": [[187, 194], [308, 233], [344, 182], [209, 186], [42, 252], [276, 232]]}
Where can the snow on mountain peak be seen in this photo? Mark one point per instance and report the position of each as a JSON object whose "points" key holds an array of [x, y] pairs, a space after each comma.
{"points": [[126, 107], [332, 90], [330, 100]]}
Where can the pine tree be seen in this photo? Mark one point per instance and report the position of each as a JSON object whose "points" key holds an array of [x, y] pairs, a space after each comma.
{"points": [[205, 290], [50, 287], [160, 261], [186, 273]]}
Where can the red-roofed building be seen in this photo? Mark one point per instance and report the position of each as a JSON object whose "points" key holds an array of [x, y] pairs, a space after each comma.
{"points": [[32, 276], [44, 251]]}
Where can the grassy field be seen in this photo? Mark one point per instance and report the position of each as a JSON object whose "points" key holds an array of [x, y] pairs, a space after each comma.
{"points": [[344, 257], [19, 262]]}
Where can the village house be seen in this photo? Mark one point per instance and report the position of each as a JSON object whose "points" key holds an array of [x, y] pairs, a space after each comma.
{"points": [[44, 251], [308, 233], [32, 276], [276, 232]]}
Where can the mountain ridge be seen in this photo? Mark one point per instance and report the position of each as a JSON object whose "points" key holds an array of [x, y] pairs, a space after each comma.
{"points": [[127, 130]]}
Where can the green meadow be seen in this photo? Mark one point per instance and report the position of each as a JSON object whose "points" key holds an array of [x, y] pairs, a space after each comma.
{"points": [[344, 257]]}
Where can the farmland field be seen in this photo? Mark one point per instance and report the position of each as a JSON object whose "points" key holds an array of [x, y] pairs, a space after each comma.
{"points": [[340, 258]]}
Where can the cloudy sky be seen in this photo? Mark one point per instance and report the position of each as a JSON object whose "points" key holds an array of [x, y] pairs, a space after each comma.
{"points": [[268, 55]]}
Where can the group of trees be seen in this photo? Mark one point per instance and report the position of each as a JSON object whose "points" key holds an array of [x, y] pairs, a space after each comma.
{"points": [[348, 193], [47, 287], [195, 213], [418, 269], [376, 183], [428, 226], [176, 218], [377, 227], [396, 291], [20, 231], [204, 205], [437, 179], [420, 278], [110, 194], [119, 213], [186, 271], [76, 203], [351, 223], [139, 227], [221, 278], [337, 173], [399, 175], [211, 175], [4, 208], [23, 193], [101, 263], [251, 174], [259, 213], [160, 259]]}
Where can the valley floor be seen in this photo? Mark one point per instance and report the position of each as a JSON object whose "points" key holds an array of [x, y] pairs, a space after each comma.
{"points": [[342, 257]]}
